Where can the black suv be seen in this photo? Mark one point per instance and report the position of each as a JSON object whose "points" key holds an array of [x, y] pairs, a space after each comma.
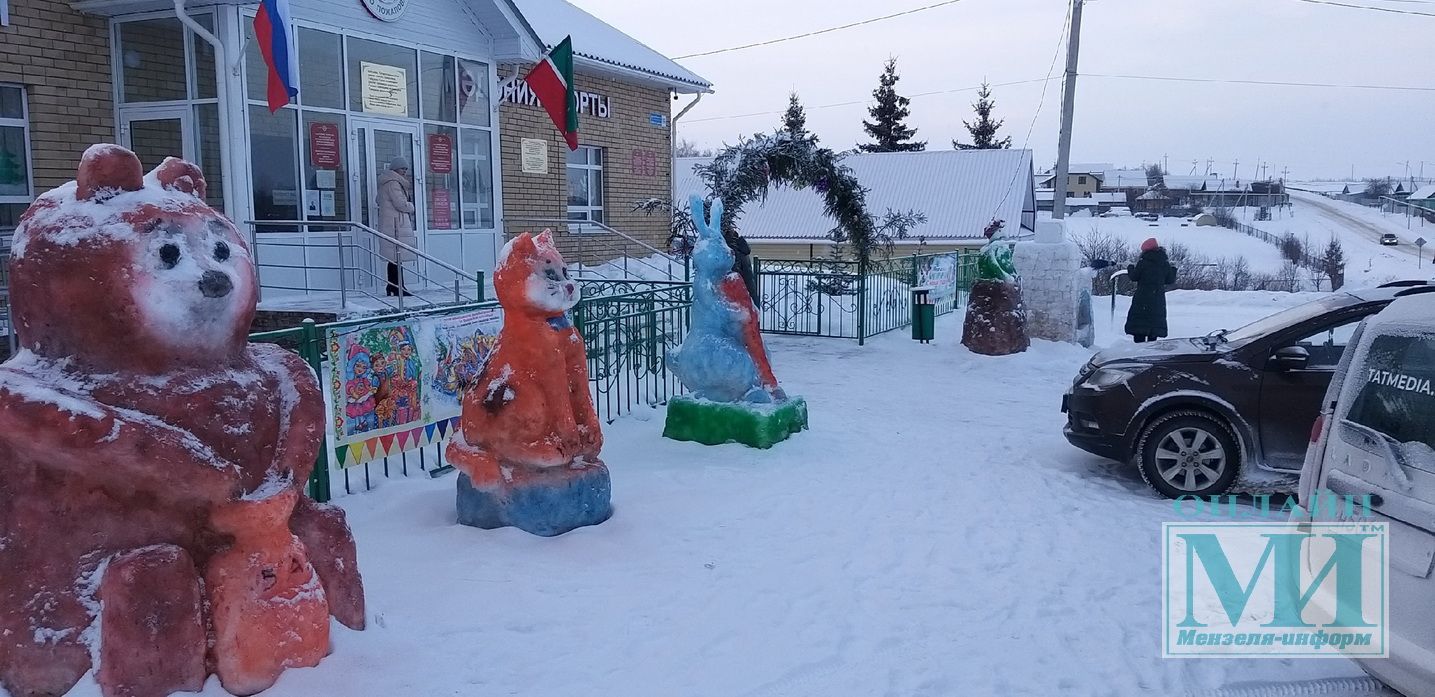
{"points": [[1192, 412]]}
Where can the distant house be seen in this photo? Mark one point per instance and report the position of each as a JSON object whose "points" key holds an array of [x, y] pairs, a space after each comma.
{"points": [[1081, 180], [960, 192], [1424, 197], [1152, 201], [1125, 180], [1099, 202]]}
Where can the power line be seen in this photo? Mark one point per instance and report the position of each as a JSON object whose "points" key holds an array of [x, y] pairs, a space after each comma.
{"points": [[1268, 83], [864, 101], [1061, 39], [820, 31], [1354, 6]]}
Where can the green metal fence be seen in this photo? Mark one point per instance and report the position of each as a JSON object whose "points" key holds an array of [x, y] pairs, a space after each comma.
{"points": [[628, 327], [840, 298]]}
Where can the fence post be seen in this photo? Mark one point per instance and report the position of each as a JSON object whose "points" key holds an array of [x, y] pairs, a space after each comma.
{"points": [[649, 310], [757, 279], [481, 290], [310, 349], [862, 300]]}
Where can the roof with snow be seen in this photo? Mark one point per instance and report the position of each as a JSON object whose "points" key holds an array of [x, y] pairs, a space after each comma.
{"points": [[596, 42], [960, 192], [1124, 178], [1423, 193]]}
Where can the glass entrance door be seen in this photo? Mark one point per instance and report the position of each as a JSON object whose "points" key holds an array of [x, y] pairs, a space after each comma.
{"points": [[154, 134], [380, 149]]}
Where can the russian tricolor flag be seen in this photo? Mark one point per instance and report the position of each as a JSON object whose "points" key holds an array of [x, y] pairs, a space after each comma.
{"points": [[271, 29]]}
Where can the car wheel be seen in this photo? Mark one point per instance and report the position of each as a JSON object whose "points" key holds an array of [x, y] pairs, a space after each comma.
{"points": [[1189, 453]]}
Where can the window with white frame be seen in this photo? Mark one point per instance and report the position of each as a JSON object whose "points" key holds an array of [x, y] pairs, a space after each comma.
{"points": [[585, 184], [15, 186]]}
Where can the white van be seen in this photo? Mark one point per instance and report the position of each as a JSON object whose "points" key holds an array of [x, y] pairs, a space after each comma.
{"points": [[1376, 437]]}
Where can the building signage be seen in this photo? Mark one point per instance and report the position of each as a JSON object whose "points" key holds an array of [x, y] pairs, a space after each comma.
{"points": [[535, 156], [387, 10], [441, 217], [645, 163], [440, 153], [590, 103], [385, 89], [657, 119], [324, 145]]}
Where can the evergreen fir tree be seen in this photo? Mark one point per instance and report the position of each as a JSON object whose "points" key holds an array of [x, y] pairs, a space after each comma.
{"points": [[1332, 264], [887, 126], [794, 120], [984, 131]]}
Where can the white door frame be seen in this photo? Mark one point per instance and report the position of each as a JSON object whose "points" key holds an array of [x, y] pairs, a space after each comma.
{"points": [[184, 113]]}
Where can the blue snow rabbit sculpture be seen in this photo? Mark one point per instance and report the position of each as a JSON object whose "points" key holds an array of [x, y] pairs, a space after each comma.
{"points": [[723, 358]]}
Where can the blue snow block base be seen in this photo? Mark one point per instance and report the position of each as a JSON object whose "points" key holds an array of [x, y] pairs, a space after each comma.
{"points": [[547, 502]]}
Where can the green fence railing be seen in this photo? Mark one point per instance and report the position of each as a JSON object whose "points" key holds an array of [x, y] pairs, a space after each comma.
{"points": [[844, 299], [628, 328]]}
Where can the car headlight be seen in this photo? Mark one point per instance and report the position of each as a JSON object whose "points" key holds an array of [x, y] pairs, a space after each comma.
{"points": [[1106, 378]]}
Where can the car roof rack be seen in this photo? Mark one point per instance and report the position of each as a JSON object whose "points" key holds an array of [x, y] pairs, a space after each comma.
{"points": [[1416, 291], [1412, 283]]}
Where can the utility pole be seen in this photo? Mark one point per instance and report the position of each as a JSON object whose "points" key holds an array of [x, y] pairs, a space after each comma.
{"points": [[1236, 170], [1068, 109], [1209, 162], [1166, 163]]}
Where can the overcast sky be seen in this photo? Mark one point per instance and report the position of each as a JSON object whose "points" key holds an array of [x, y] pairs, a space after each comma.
{"points": [[1315, 132]]}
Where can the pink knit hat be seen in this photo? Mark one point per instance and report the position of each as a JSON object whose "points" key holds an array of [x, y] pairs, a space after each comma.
{"points": [[1149, 244]]}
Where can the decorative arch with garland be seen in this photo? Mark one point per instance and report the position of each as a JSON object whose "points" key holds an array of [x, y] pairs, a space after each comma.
{"points": [[745, 172]]}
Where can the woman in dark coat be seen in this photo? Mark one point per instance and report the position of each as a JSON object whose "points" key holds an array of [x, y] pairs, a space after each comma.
{"points": [[1151, 273]]}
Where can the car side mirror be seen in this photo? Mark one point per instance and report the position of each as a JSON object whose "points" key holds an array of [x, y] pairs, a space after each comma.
{"points": [[1290, 358]]}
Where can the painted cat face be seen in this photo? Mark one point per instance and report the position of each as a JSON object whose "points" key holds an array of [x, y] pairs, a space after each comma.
{"points": [[532, 277]]}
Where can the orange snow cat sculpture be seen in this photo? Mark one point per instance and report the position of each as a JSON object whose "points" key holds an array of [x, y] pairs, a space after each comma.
{"points": [[151, 460], [529, 437]]}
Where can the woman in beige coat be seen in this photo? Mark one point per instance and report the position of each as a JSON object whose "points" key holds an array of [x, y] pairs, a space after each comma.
{"points": [[396, 210]]}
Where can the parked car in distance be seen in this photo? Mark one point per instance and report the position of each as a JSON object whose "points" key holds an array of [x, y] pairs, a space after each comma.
{"points": [[1376, 437], [1191, 413], [1389, 239]]}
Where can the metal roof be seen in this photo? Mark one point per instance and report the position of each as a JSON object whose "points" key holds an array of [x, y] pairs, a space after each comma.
{"points": [[1424, 192], [960, 192], [599, 42], [1124, 179]]}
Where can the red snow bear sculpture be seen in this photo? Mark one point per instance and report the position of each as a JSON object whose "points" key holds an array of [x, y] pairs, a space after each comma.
{"points": [[152, 525]]}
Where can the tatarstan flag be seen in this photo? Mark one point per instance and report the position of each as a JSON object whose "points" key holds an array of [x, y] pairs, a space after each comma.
{"points": [[552, 82]]}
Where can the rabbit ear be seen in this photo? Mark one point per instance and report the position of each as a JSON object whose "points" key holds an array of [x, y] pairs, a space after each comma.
{"points": [[706, 227]]}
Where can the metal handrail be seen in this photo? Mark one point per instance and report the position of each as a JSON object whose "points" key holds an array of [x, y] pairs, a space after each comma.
{"points": [[357, 269], [360, 226], [606, 244]]}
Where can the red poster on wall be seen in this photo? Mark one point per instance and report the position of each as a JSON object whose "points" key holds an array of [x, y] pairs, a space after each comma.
{"points": [[324, 145], [440, 215], [440, 153]]}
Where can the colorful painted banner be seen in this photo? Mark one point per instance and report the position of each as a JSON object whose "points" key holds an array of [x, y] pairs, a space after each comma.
{"points": [[940, 274], [397, 386]]}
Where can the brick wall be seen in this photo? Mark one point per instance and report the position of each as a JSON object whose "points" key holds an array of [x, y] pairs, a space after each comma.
{"points": [[637, 165], [62, 58]]}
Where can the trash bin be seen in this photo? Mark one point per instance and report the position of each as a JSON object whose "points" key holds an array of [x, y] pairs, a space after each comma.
{"points": [[924, 315]]}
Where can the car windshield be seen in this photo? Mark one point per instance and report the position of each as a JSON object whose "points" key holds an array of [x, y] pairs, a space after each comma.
{"points": [[1286, 318]]}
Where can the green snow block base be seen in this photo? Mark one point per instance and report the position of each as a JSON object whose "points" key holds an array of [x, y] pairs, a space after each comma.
{"points": [[715, 423]]}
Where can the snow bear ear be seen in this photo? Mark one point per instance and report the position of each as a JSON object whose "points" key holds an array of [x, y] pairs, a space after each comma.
{"points": [[180, 175], [544, 239], [106, 170]]}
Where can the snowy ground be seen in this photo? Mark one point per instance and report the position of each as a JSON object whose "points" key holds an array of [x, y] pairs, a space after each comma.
{"points": [[1359, 229], [1213, 241], [932, 534]]}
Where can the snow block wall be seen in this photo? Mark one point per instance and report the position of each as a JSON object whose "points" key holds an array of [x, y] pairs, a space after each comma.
{"points": [[1051, 282]]}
